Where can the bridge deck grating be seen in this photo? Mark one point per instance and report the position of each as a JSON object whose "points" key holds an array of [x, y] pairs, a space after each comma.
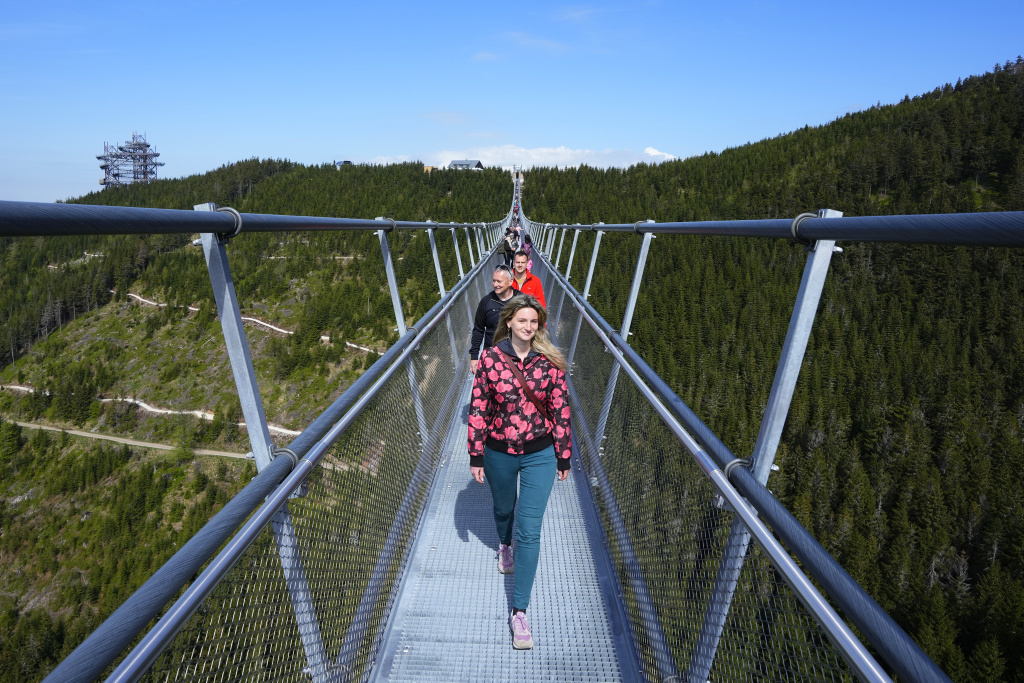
{"points": [[450, 622]]}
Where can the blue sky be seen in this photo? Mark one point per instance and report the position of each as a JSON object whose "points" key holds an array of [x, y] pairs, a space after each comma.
{"points": [[604, 83]]}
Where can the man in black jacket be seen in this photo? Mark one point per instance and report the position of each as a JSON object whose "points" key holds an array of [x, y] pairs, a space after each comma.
{"points": [[485, 322]]}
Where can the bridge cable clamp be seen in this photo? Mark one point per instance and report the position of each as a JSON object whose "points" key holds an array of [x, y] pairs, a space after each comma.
{"points": [[733, 464], [278, 450], [385, 218], [636, 226], [794, 228], [225, 236]]}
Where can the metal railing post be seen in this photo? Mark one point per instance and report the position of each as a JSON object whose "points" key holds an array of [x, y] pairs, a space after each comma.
{"points": [[458, 256], [396, 301], [479, 243], [800, 324], [586, 295], [259, 438], [389, 270], [627, 320], [572, 254], [440, 286], [469, 243], [561, 297], [560, 243], [437, 262]]}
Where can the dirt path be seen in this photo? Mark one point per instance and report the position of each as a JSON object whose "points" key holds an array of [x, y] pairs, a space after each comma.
{"points": [[255, 321], [201, 414], [130, 442]]}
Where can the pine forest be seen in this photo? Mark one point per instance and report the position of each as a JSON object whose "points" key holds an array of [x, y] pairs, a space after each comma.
{"points": [[903, 452]]}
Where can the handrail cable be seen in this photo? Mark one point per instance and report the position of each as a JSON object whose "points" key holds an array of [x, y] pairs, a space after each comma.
{"points": [[743, 492], [146, 652], [103, 645], [897, 648]]}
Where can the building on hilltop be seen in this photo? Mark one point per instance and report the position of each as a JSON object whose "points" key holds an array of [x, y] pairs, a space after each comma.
{"points": [[429, 169], [132, 162], [339, 164], [466, 164]]}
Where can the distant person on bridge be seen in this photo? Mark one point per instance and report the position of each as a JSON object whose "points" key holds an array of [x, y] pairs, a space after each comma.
{"points": [[528, 249], [524, 281], [519, 430], [488, 311], [509, 245]]}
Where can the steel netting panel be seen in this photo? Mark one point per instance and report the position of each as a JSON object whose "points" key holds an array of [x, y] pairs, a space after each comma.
{"points": [[667, 537], [591, 368], [351, 531]]}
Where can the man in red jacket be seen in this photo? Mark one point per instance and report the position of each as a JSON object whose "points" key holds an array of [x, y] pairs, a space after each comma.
{"points": [[524, 281]]}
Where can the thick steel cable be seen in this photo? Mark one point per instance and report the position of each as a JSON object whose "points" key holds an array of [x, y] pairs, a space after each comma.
{"points": [[996, 229], [33, 219], [991, 229], [107, 642]]}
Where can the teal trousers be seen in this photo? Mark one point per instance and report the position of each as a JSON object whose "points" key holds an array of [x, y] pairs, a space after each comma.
{"points": [[536, 475]]}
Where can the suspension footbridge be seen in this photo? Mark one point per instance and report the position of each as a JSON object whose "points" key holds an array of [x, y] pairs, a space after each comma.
{"points": [[321, 571]]}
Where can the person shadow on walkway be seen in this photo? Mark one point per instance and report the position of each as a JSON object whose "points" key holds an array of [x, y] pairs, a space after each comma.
{"points": [[474, 514]]}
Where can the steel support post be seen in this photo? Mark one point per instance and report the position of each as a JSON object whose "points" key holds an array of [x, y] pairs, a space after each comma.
{"points": [[389, 270], [549, 277], [458, 256], [262, 448], [627, 320], [396, 301], [469, 243], [440, 286], [561, 297], [479, 244], [561, 242], [462, 274], [437, 262], [800, 324], [586, 295], [572, 254]]}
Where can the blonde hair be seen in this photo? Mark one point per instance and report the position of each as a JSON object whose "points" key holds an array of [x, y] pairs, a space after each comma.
{"points": [[541, 342]]}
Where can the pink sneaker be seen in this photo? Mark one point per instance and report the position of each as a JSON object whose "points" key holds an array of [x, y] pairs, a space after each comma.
{"points": [[506, 565], [522, 639]]}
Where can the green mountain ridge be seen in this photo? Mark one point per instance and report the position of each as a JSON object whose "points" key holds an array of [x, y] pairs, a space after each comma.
{"points": [[903, 452]]}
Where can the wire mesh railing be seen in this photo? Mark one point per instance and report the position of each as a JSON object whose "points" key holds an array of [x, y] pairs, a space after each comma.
{"points": [[667, 532], [351, 528], [306, 586]]}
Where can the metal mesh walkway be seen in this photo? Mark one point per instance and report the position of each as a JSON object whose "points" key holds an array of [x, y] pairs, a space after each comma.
{"points": [[450, 622]]}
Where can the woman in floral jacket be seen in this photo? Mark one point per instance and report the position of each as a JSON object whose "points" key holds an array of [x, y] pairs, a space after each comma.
{"points": [[513, 435]]}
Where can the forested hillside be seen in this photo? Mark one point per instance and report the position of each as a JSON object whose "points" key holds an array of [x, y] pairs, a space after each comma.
{"points": [[904, 450]]}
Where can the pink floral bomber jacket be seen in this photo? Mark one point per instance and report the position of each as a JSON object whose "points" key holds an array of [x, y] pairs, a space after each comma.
{"points": [[500, 412]]}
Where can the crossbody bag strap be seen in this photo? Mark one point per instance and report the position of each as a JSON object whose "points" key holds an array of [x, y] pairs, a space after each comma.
{"points": [[522, 382]]}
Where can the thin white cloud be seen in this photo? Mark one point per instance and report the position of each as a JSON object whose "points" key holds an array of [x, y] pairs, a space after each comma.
{"points": [[660, 156], [484, 56], [514, 155], [531, 43]]}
